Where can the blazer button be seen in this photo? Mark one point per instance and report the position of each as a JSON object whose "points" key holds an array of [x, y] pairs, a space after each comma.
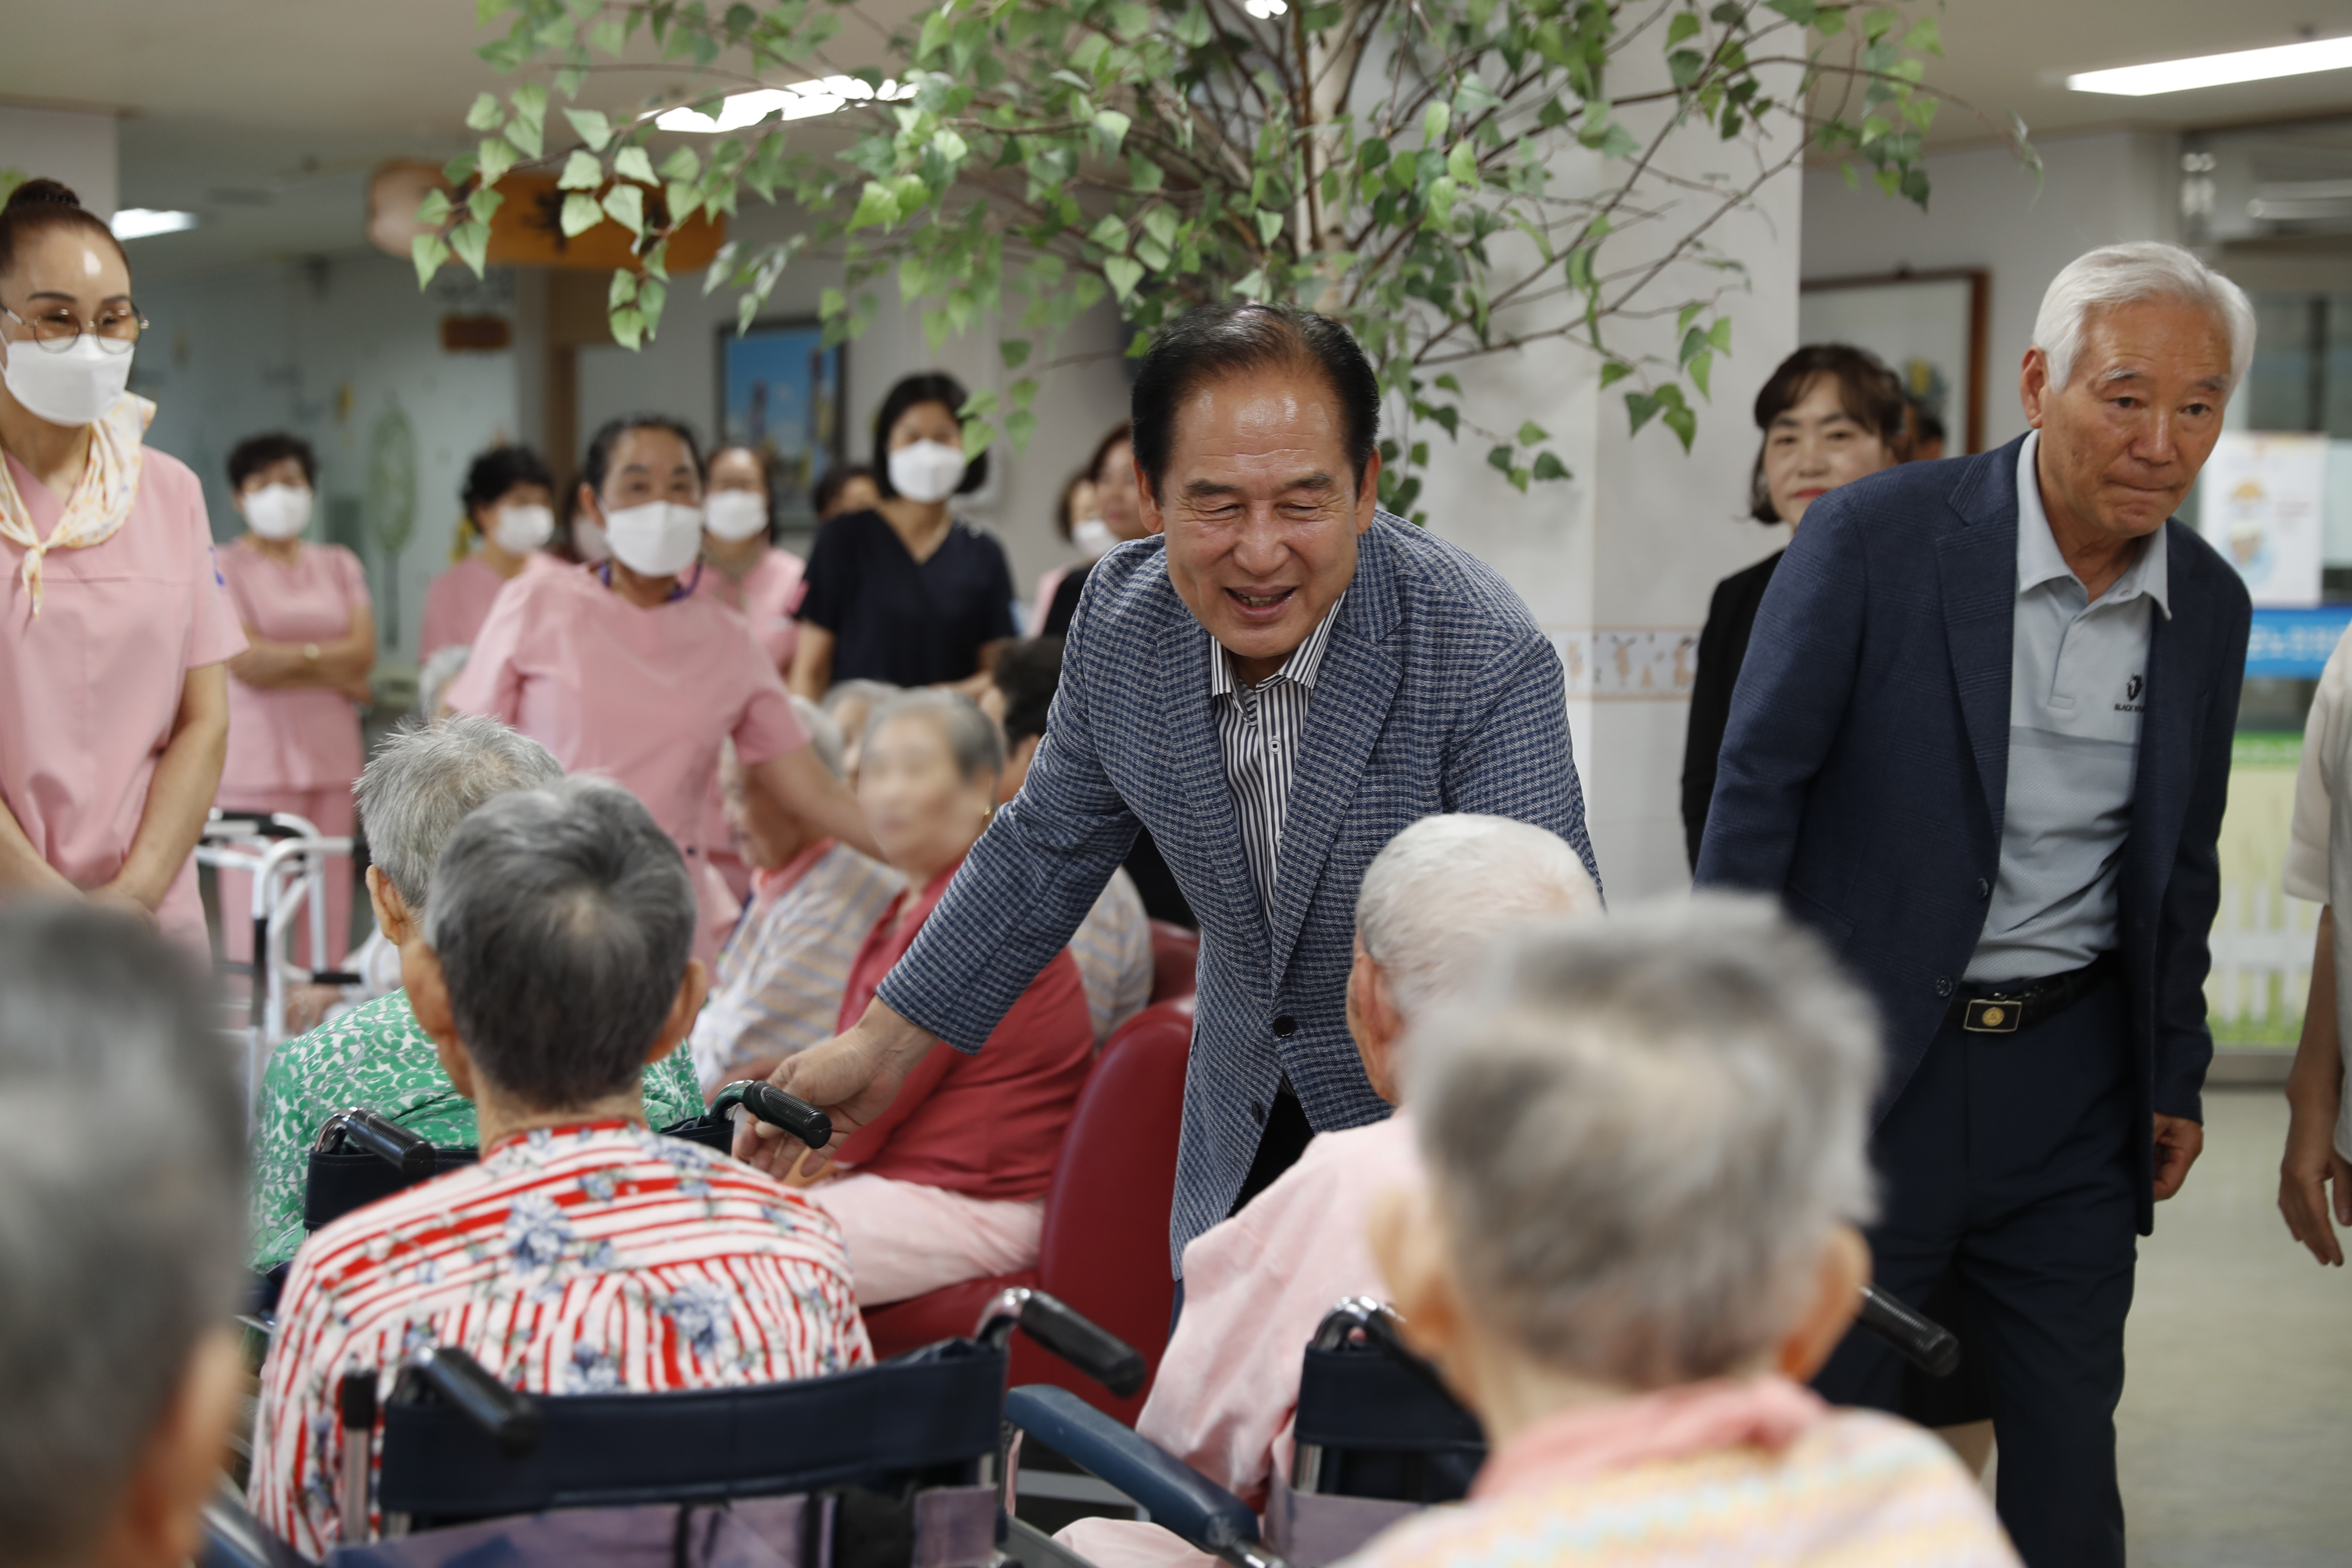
{"points": [[1285, 1027], [1943, 986], [1984, 889]]}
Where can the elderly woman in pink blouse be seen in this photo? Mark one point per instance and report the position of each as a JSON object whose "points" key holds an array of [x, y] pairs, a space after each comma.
{"points": [[1644, 1142]]}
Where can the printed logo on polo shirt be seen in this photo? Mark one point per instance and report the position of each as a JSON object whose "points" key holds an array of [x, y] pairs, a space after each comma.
{"points": [[2131, 702]]}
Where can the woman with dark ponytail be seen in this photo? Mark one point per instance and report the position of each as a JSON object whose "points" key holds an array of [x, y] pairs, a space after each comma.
{"points": [[115, 630]]}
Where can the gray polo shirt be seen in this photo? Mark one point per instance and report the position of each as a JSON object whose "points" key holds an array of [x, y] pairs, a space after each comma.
{"points": [[2077, 674]]}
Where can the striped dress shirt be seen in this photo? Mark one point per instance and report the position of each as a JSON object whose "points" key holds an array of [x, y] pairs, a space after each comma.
{"points": [[1259, 729], [594, 1258]]}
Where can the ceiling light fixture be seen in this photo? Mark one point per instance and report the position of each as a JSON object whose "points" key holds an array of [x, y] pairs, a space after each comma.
{"points": [[138, 223], [1266, 10], [801, 101], [2217, 70]]}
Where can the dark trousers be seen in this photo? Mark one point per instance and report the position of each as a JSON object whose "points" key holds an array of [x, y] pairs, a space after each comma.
{"points": [[2008, 1161]]}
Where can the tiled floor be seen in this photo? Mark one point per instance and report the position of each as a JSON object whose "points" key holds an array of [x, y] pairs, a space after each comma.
{"points": [[2235, 1434]]}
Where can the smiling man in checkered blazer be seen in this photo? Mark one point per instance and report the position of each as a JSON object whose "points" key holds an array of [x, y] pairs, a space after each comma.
{"points": [[1276, 682]]}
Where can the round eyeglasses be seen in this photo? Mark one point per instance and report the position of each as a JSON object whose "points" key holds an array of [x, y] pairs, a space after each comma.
{"points": [[117, 327]]}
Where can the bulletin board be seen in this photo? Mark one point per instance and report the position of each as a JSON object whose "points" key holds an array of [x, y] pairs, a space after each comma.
{"points": [[1930, 328]]}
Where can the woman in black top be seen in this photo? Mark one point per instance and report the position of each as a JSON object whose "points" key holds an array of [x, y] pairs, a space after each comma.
{"points": [[905, 592], [1830, 414]]}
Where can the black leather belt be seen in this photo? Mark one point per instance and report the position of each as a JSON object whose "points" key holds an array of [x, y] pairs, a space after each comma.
{"points": [[2006, 1008]]}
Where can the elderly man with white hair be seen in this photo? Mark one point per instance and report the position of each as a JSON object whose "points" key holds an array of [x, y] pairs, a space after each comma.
{"points": [[1981, 743], [121, 1203], [421, 782], [1432, 907], [1646, 1147]]}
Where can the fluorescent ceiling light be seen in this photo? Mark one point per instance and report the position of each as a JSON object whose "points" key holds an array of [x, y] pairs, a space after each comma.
{"points": [[801, 101], [1265, 10], [138, 223], [2217, 70]]}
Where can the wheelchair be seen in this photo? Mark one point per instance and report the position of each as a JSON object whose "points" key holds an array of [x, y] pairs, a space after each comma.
{"points": [[1379, 1437], [892, 1465]]}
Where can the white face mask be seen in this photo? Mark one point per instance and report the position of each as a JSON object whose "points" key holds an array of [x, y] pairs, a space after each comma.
{"points": [[735, 515], [76, 387], [278, 511], [659, 539], [1093, 536], [927, 471], [519, 530], [588, 538]]}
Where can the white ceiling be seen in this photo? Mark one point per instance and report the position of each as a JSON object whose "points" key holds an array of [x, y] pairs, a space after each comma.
{"points": [[265, 116]]}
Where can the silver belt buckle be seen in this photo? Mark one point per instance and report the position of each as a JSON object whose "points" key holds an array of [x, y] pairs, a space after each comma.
{"points": [[1991, 1016]]}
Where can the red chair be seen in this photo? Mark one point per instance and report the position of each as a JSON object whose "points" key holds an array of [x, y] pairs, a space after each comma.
{"points": [[1175, 959], [1105, 1248]]}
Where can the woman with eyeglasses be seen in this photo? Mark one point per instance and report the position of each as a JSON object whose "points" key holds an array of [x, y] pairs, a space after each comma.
{"points": [[115, 629], [623, 667]]}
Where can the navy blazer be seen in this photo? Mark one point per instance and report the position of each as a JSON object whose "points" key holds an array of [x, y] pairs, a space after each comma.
{"points": [[1865, 768], [1437, 692]]}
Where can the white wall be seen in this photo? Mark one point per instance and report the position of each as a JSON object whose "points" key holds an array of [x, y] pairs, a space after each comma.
{"points": [[70, 145], [1984, 210], [329, 350]]}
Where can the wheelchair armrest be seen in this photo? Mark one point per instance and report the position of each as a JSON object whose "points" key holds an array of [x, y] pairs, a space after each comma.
{"points": [[1177, 1496], [233, 1539]]}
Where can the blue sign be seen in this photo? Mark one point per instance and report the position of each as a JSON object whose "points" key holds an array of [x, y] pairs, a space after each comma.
{"points": [[2294, 645]]}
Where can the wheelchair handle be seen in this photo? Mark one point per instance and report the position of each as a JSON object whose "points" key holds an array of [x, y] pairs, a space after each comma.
{"points": [[1925, 1343], [511, 1418], [777, 1108], [1377, 1323], [1092, 1349], [386, 1140]]}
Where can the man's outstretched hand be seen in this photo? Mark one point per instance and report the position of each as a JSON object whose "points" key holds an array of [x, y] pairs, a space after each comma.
{"points": [[852, 1078]]}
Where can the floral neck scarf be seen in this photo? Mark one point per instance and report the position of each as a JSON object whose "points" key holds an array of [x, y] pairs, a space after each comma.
{"points": [[100, 501]]}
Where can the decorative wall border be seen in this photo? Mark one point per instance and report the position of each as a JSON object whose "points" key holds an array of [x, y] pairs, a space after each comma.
{"points": [[1628, 664]]}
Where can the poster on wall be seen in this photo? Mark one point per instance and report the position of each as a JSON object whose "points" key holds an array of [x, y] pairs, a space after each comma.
{"points": [[1930, 328], [780, 391], [2259, 503]]}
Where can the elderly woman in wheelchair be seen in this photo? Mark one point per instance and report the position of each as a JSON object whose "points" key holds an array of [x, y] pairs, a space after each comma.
{"points": [[583, 1253]]}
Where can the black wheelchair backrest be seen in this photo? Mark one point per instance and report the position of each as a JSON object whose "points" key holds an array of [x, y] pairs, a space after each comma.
{"points": [[1374, 1420]]}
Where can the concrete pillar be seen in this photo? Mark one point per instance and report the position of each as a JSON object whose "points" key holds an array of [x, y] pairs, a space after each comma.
{"points": [[1618, 563], [76, 146]]}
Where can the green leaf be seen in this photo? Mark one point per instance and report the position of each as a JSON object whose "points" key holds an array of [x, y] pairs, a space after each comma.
{"points": [[1687, 314], [470, 243], [632, 164], [875, 205], [685, 200], [494, 158], [1434, 122], [1111, 126], [1462, 163], [1533, 435], [428, 252], [1702, 367], [483, 203], [486, 113], [1124, 273], [1800, 12], [1924, 38], [1269, 225], [622, 290], [1614, 371], [1550, 468], [1642, 407], [433, 210], [1448, 382], [591, 126], [1110, 233], [584, 171], [629, 327], [1016, 352], [1500, 458], [580, 214], [1684, 423]]}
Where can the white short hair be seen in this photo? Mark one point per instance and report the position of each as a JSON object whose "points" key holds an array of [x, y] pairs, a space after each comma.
{"points": [[2128, 274], [1435, 901], [1642, 1132], [429, 777]]}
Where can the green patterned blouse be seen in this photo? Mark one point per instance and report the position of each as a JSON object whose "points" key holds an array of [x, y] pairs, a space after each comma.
{"points": [[377, 1055]]}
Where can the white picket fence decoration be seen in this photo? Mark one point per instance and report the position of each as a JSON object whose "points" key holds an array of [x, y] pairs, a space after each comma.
{"points": [[2261, 953]]}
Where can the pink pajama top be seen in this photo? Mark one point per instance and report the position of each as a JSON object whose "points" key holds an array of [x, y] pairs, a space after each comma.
{"points": [[455, 605], [766, 598], [643, 697], [299, 738], [90, 692]]}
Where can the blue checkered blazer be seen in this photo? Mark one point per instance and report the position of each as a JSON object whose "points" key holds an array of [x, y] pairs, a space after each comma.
{"points": [[1437, 693]]}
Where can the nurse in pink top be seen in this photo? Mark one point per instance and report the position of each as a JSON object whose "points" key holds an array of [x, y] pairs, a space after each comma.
{"points": [[622, 668], [114, 628], [509, 513], [294, 695], [759, 582]]}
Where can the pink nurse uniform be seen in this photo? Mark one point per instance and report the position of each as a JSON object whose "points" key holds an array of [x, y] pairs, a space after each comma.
{"points": [[293, 749], [641, 696], [457, 603], [766, 598], [90, 692]]}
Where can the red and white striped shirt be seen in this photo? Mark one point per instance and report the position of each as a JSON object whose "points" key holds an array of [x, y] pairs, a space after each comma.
{"points": [[580, 1259]]}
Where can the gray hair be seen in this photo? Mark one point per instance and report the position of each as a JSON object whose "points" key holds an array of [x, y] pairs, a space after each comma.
{"points": [[1435, 901], [426, 778], [121, 1209], [825, 735], [433, 681], [873, 693], [563, 918], [971, 735], [1643, 1132], [2128, 274]]}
